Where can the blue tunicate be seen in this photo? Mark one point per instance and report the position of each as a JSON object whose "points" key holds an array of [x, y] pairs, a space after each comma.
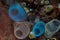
{"points": [[20, 15], [38, 29]]}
